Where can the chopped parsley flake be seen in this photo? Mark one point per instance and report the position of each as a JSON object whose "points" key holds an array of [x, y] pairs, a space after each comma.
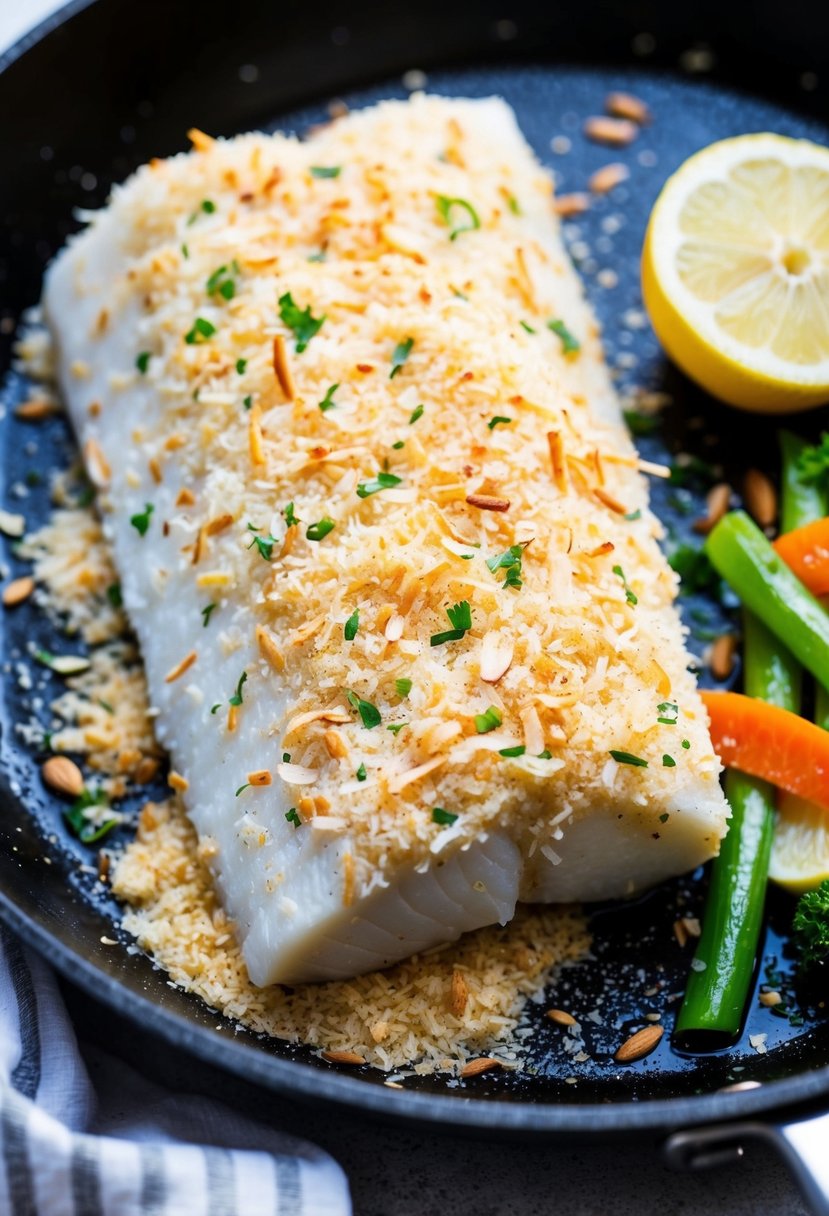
{"points": [[417, 412], [369, 714], [513, 204], [396, 727], [696, 573], [286, 757], [201, 331], [444, 818], [499, 418], [491, 719], [328, 402], [630, 596], [528, 328], [300, 320], [628, 758], [214, 709], [264, 544], [510, 560], [668, 762], [545, 755], [293, 817], [242, 788], [141, 520], [399, 356], [570, 344], [401, 443], [248, 402], [114, 595], [207, 612], [142, 361], [351, 626], [87, 831], [460, 617], [241, 366], [445, 207], [317, 257], [668, 711], [383, 481], [325, 171], [222, 282], [208, 206], [665, 816], [686, 743], [633, 515], [512, 752], [238, 696], [361, 773], [320, 530], [290, 515], [403, 686]]}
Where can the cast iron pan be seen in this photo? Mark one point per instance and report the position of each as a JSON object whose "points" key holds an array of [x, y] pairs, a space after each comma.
{"points": [[103, 87]]}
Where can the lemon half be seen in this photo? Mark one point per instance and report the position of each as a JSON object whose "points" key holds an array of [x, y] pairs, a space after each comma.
{"points": [[735, 271], [800, 851]]}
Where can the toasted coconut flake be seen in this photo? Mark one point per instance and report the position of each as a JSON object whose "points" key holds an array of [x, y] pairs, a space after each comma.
{"points": [[217, 525], [199, 546], [296, 774], [609, 501], [401, 780], [497, 651], [488, 502], [185, 498], [177, 782], [155, 470], [476, 1067], [261, 776], [601, 550], [338, 716], [459, 994], [394, 627], [18, 590], [97, 466], [558, 461], [306, 631], [567, 205], [269, 649], [335, 745], [200, 141], [180, 668], [608, 177], [533, 730], [255, 440], [282, 367]]}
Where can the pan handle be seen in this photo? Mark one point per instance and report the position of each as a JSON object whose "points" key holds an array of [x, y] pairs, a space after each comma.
{"points": [[803, 1144]]}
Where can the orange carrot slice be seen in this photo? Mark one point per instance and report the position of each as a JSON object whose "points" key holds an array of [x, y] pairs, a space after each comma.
{"points": [[806, 552], [771, 743]]}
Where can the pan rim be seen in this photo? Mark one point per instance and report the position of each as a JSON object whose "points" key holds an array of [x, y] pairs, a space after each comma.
{"points": [[242, 1058]]}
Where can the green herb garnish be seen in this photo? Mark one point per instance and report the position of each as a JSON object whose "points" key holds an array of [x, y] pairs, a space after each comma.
{"points": [[528, 328], [242, 788], [222, 281], [396, 727], [361, 773], [512, 753], [669, 712], [201, 331], [403, 686], [570, 344], [460, 617], [241, 366], [320, 530], [86, 831], [499, 418], [510, 560], [141, 520], [383, 481], [369, 714], [628, 758], [207, 612], [328, 402], [444, 818], [351, 626], [811, 926], [114, 595], [491, 719], [299, 320], [668, 761], [290, 515], [142, 361], [417, 412], [326, 171], [238, 696], [630, 596], [293, 817], [399, 356], [445, 206]]}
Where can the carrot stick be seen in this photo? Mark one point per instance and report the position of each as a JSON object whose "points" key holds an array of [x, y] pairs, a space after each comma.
{"points": [[806, 552], [771, 743]]}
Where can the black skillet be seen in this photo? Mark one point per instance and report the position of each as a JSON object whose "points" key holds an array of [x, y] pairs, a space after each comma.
{"points": [[101, 88]]}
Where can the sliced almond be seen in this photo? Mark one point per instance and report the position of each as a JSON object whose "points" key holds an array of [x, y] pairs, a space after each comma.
{"points": [[335, 745], [475, 1067], [722, 656], [760, 497], [717, 502], [640, 1044], [770, 999], [567, 205], [561, 1018], [497, 651], [400, 780], [18, 590], [487, 502], [459, 994], [625, 105], [343, 1057], [617, 132], [63, 776], [269, 649], [608, 177]]}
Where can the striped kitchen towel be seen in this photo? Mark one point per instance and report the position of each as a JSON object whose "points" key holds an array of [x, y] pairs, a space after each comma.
{"points": [[150, 1153]]}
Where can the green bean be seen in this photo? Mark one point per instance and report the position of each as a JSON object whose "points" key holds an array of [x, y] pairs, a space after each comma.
{"points": [[741, 554]]}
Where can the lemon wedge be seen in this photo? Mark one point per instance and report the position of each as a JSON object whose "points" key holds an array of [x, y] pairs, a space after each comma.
{"points": [[800, 850], [735, 271]]}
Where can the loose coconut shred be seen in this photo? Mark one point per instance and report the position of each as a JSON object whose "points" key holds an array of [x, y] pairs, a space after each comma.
{"points": [[432, 1013]]}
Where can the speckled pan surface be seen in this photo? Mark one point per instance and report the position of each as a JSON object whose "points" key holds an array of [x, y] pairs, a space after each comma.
{"points": [[120, 95]]}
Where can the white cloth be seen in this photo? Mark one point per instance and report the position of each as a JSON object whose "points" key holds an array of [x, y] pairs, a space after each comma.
{"points": [[154, 1154]]}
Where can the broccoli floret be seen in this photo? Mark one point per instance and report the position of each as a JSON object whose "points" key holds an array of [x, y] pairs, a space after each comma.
{"points": [[811, 926]]}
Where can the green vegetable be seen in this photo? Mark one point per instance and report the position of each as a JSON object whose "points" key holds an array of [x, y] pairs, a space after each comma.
{"points": [[460, 617], [383, 481], [201, 331], [767, 587], [512, 752], [87, 831], [811, 926], [445, 207], [668, 761], [510, 560], [642, 424], [324, 171], [242, 788], [694, 569], [369, 714], [241, 366], [812, 460], [396, 727], [445, 818], [247, 402], [290, 516], [264, 544], [142, 362], [328, 402], [293, 817], [320, 530], [528, 328], [491, 719], [499, 418], [299, 320], [628, 758], [630, 596], [222, 282], [403, 687], [361, 773], [399, 356], [417, 412], [570, 344], [351, 626], [114, 595], [141, 520]]}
